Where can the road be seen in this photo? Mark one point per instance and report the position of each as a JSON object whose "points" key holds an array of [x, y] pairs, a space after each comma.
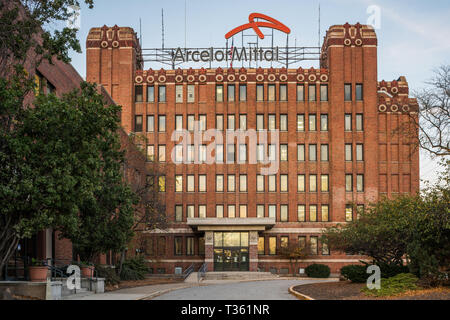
{"points": [[255, 290]]}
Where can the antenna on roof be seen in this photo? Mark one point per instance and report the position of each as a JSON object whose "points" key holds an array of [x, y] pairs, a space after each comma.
{"points": [[140, 32], [185, 24], [319, 25], [162, 28]]}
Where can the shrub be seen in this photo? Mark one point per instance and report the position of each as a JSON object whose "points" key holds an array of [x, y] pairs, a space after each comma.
{"points": [[355, 273], [108, 273], [134, 269], [395, 285], [318, 271], [391, 270]]}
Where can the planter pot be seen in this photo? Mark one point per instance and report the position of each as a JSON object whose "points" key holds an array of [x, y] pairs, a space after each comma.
{"points": [[38, 274], [87, 272]]}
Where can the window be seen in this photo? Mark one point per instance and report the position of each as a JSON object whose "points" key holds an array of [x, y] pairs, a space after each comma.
{"points": [[202, 183], [272, 246], [348, 213], [219, 153], [242, 153], [284, 184], [313, 213], [301, 122], [348, 92], [271, 92], [190, 183], [325, 213], [260, 92], [313, 245], [178, 122], [219, 122], [219, 211], [190, 246], [301, 213], [302, 241], [179, 153], [301, 152], [178, 246], [324, 183], [359, 210], [359, 92], [162, 183], [301, 183], [259, 183], [243, 122], [272, 183], [348, 182], [324, 154], [190, 122], [231, 183], [312, 152], [283, 152], [190, 211], [202, 153], [359, 122], [272, 211], [179, 94], [259, 122], [323, 92], [138, 124], [178, 213], [272, 122], [325, 249], [272, 152], [219, 183], [312, 92], [150, 153], [150, 123], [243, 211], [300, 92], [150, 94], [219, 93], [231, 211], [202, 122], [202, 211], [162, 123], [190, 93], [190, 153], [261, 248], [284, 241], [360, 183], [162, 94], [323, 122], [138, 94], [359, 152], [312, 183], [348, 122], [312, 122], [179, 183], [231, 93], [231, 122], [284, 213], [162, 153], [348, 152], [231, 153], [260, 211], [242, 92], [243, 183], [283, 92], [283, 122]]}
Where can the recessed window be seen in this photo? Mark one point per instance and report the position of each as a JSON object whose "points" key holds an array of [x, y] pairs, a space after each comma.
{"points": [[301, 213], [312, 183], [359, 122], [324, 153], [178, 183], [231, 122], [348, 92], [349, 183], [243, 122], [359, 92], [300, 122], [138, 124], [284, 241], [260, 211], [219, 93], [348, 122], [231, 93], [301, 183], [261, 249], [139, 97], [283, 152], [162, 153], [202, 153], [312, 122], [243, 183], [162, 123], [179, 94], [313, 213], [312, 92], [242, 92], [283, 92], [360, 183], [302, 241], [162, 94], [348, 213], [272, 183], [150, 153], [178, 122], [324, 183], [359, 152], [284, 183], [312, 152], [272, 122], [259, 183], [219, 122], [272, 246], [272, 211], [190, 183], [202, 183], [231, 211], [259, 122], [348, 152], [190, 122], [202, 122], [323, 92], [231, 183], [190, 211], [219, 211], [283, 122], [314, 245], [179, 153], [325, 213], [271, 92], [150, 123], [191, 93], [202, 211], [323, 122], [284, 213], [162, 183], [243, 211], [301, 152], [260, 92], [178, 246], [179, 213], [219, 153], [231, 153], [242, 153], [150, 94], [190, 246], [300, 92], [219, 183]]}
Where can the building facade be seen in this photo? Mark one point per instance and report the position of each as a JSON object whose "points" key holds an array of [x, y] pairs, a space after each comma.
{"points": [[339, 148]]}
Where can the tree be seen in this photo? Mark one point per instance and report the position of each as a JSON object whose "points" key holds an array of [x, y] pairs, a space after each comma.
{"points": [[295, 252], [433, 120]]}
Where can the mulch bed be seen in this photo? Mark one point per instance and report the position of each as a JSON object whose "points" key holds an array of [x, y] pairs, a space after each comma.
{"points": [[139, 283], [352, 291]]}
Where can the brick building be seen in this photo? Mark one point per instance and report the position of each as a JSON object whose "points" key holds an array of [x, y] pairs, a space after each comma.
{"points": [[338, 146]]}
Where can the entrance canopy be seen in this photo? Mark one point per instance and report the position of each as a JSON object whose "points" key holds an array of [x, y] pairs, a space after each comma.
{"points": [[231, 224]]}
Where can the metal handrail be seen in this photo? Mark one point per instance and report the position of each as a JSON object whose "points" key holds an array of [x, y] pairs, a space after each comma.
{"points": [[188, 271], [202, 271]]}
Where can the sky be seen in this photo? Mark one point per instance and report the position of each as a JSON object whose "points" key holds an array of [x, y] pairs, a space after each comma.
{"points": [[413, 36]]}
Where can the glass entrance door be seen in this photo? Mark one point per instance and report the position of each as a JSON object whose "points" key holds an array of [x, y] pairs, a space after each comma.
{"points": [[231, 251]]}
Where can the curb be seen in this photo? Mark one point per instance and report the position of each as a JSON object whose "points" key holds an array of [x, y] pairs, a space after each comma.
{"points": [[161, 292], [299, 295]]}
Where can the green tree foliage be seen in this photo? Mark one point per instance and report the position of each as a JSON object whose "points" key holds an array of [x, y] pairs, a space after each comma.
{"points": [[295, 252]]}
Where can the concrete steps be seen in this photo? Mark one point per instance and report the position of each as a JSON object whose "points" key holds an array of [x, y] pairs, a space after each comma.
{"points": [[240, 276]]}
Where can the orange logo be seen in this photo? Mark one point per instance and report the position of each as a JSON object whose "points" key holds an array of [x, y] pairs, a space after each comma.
{"points": [[273, 24]]}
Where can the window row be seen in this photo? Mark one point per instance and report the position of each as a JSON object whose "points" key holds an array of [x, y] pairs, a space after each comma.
{"points": [[272, 246], [263, 93]]}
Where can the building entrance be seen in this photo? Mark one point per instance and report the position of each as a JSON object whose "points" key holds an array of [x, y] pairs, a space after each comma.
{"points": [[231, 252]]}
